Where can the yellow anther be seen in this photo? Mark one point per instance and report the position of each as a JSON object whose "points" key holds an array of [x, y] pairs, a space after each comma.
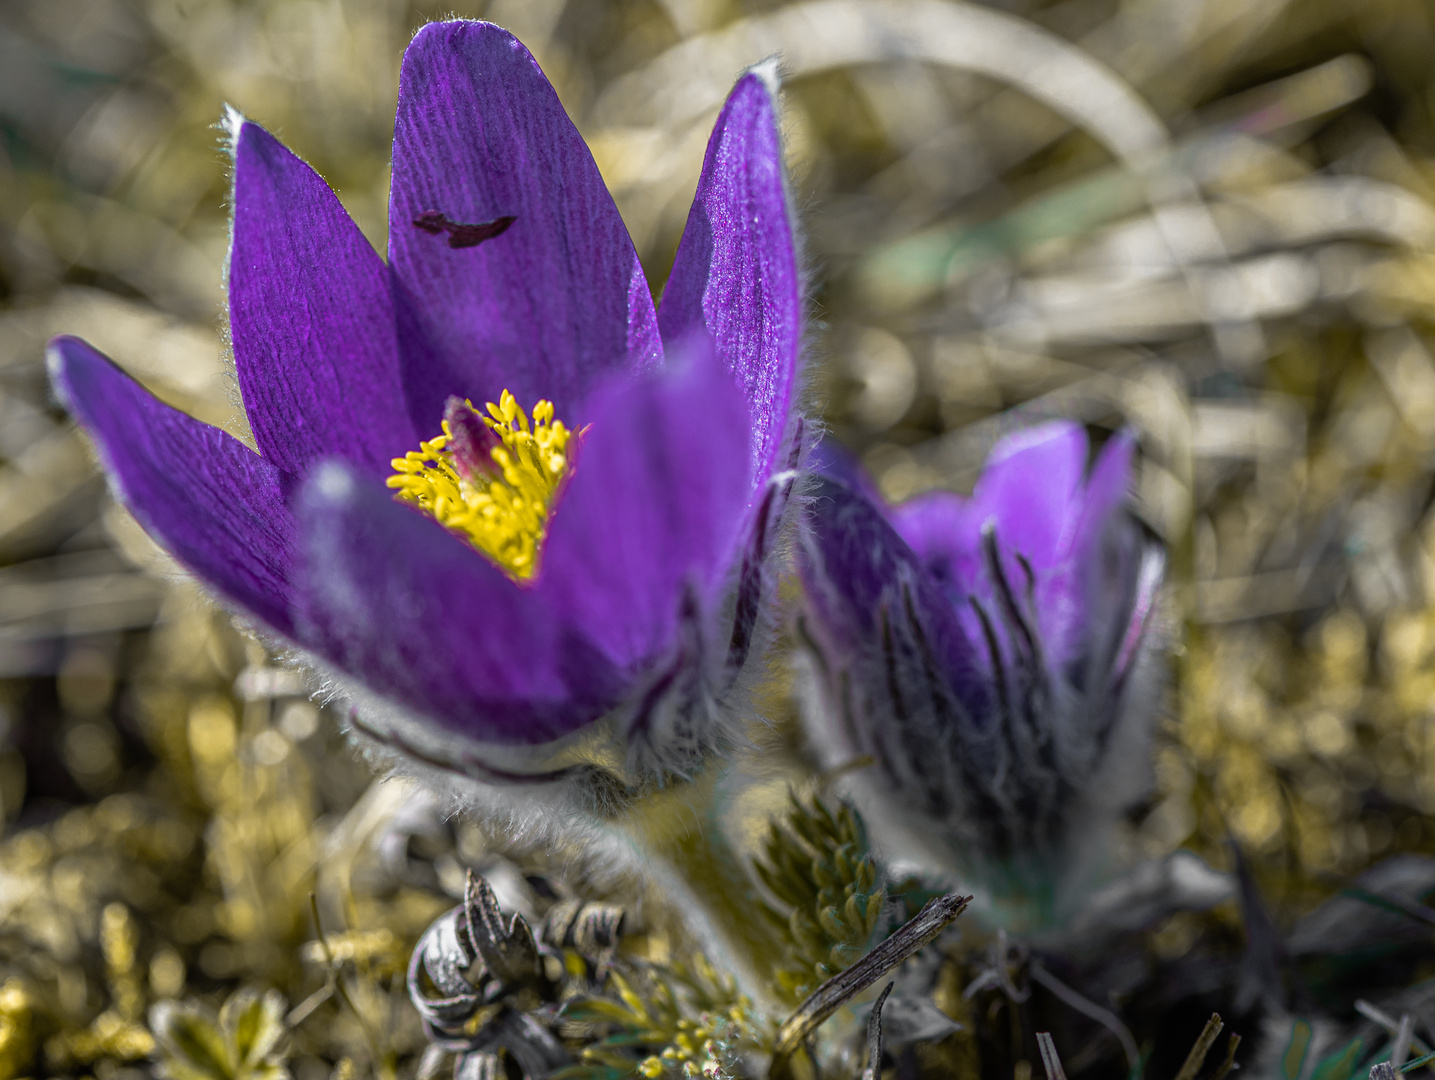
{"points": [[500, 506]]}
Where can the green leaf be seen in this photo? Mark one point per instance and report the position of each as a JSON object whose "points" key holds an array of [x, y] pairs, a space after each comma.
{"points": [[779, 885], [254, 1024], [191, 1045], [1294, 1056], [1341, 1065], [865, 876], [874, 910], [830, 919]]}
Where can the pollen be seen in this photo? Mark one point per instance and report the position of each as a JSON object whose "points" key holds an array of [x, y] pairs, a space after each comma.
{"points": [[491, 478]]}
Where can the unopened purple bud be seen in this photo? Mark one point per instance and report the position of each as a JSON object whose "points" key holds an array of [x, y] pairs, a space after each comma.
{"points": [[987, 654]]}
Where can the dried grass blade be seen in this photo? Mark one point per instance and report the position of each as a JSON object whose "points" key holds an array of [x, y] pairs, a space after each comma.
{"points": [[1197, 1057], [1049, 1058], [827, 998]]}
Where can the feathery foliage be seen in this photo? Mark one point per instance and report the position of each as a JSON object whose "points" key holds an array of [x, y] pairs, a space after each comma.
{"points": [[817, 866]]}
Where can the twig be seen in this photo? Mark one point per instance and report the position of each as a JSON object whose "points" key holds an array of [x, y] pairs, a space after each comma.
{"points": [[305, 1008], [829, 997], [1391, 1025], [376, 1060], [874, 1037], [1400, 1047], [1397, 904], [1105, 1017], [1197, 1057], [1230, 1062], [1049, 1060]]}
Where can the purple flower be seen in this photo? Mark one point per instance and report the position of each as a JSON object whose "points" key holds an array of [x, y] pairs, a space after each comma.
{"points": [[603, 558], [987, 653]]}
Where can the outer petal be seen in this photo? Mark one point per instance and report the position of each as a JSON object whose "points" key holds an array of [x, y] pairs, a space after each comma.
{"points": [[656, 506], [1068, 601], [210, 500], [1029, 489], [857, 569], [834, 461], [900, 674], [736, 269], [558, 299], [423, 619], [655, 503], [311, 317], [945, 531], [1106, 488], [1121, 568]]}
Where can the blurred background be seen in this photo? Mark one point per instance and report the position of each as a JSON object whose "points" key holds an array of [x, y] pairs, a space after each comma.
{"points": [[1212, 220]]}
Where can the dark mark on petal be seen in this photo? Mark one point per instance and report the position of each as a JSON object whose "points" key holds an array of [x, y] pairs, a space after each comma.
{"points": [[461, 235]]}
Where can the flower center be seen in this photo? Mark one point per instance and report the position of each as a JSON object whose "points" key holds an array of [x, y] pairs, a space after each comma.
{"points": [[491, 480]]}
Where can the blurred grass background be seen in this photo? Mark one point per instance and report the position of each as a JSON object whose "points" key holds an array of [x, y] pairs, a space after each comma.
{"points": [[1211, 220]]}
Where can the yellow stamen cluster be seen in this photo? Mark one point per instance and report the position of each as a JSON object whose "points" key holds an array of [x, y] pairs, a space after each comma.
{"points": [[502, 508]]}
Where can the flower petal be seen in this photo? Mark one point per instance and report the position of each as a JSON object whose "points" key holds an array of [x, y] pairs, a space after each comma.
{"points": [[863, 581], [212, 502], [1030, 487], [423, 619], [656, 506], [1122, 566], [736, 269], [1069, 604], [1031, 493], [833, 460], [557, 299], [311, 317], [945, 531], [1107, 487]]}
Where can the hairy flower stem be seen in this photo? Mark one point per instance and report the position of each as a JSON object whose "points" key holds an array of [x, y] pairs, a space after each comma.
{"points": [[681, 840]]}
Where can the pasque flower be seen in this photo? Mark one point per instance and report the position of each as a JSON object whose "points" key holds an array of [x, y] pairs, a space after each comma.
{"points": [[495, 489], [990, 655]]}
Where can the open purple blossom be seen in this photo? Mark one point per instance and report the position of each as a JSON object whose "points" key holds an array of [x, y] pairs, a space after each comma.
{"points": [[590, 545], [987, 653]]}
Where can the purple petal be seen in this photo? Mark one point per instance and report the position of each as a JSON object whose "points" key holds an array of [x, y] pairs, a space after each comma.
{"points": [[556, 300], [657, 504], [311, 317], [945, 531], [830, 458], [653, 509], [211, 501], [736, 269], [1107, 488], [1030, 488], [423, 619], [1068, 602], [1122, 571], [851, 556], [1031, 493], [858, 572]]}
